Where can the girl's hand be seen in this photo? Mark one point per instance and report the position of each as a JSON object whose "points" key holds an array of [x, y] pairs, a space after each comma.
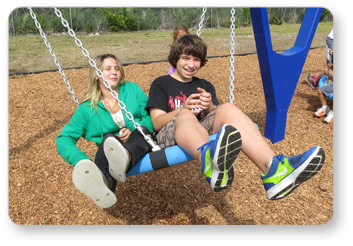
{"points": [[124, 134]]}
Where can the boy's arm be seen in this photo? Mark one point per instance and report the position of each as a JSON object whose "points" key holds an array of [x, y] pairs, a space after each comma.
{"points": [[160, 118]]}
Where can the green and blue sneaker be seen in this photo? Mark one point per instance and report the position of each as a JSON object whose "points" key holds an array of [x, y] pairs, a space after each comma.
{"points": [[287, 173], [218, 156]]}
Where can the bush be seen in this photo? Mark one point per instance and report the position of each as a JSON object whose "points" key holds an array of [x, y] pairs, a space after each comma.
{"points": [[275, 20], [121, 21]]}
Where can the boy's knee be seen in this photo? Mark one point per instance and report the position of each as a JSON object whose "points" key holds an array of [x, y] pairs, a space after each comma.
{"points": [[185, 115], [227, 106]]}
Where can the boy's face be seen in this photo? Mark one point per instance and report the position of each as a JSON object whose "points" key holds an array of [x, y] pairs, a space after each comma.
{"points": [[186, 67]]}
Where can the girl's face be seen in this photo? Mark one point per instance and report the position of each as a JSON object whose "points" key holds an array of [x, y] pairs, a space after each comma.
{"points": [[180, 33], [186, 67], [111, 72]]}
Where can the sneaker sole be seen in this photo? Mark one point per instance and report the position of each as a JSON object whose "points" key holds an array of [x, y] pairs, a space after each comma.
{"points": [[117, 158], [88, 179], [228, 149], [322, 114], [304, 172]]}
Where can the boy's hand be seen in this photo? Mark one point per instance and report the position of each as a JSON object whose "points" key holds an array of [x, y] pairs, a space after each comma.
{"points": [[205, 98], [193, 103]]}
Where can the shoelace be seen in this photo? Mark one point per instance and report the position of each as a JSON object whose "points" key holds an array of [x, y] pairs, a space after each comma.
{"points": [[281, 158], [202, 147]]}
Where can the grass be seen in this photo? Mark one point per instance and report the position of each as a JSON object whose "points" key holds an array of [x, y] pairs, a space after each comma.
{"points": [[28, 53]]}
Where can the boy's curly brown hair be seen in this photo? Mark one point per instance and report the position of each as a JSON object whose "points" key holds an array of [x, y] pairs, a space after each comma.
{"points": [[188, 45]]}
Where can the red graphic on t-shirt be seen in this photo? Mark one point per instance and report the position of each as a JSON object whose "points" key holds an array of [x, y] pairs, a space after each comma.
{"points": [[177, 102]]}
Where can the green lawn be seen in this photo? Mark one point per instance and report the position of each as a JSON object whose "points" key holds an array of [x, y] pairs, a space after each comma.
{"points": [[29, 53]]}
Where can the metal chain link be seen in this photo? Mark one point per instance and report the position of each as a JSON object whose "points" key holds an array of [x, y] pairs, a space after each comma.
{"points": [[201, 21], [106, 83], [42, 34], [232, 51]]}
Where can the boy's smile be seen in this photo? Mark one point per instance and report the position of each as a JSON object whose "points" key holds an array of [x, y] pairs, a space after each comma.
{"points": [[186, 67]]}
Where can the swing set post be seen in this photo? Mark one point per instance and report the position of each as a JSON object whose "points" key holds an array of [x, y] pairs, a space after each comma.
{"points": [[280, 72]]}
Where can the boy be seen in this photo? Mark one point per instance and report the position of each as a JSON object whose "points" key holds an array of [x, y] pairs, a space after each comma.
{"points": [[185, 111]]}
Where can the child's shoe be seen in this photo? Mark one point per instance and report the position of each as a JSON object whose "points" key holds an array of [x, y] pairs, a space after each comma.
{"points": [[287, 173], [218, 156], [311, 78], [322, 111], [90, 181], [118, 158], [329, 117]]}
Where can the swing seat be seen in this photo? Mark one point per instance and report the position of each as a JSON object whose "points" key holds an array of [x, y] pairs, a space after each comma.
{"points": [[161, 159]]}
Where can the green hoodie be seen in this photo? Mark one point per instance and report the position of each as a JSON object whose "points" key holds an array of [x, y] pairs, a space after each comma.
{"points": [[92, 125]]}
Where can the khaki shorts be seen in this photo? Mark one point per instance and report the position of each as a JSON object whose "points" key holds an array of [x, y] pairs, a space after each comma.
{"points": [[166, 136]]}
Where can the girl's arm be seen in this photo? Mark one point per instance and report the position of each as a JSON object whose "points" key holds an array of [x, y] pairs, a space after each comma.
{"points": [[66, 142]]}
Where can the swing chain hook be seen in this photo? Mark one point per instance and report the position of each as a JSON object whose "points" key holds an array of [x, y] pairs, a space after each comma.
{"points": [[106, 83]]}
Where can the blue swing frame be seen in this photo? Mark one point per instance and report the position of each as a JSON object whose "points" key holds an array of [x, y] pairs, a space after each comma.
{"points": [[280, 72]]}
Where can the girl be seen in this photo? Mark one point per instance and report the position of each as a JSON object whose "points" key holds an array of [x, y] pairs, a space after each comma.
{"points": [[99, 119]]}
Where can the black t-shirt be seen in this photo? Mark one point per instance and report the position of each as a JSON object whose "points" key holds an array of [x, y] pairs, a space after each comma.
{"points": [[168, 94]]}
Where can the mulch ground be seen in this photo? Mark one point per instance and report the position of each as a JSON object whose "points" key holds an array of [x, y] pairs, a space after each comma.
{"points": [[40, 184]]}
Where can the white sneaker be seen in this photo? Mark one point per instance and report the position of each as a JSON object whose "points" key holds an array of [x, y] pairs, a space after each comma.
{"points": [[329, 117], [89, 180], [118, 158], [322, 111]]}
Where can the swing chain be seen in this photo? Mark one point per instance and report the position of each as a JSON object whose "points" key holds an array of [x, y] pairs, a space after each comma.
{"points": [[42, 34], [232, 51], [114, 94], [201, 21]]}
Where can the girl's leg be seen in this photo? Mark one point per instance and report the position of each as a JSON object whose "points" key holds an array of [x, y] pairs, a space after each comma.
{"points": [[254, 145], [190, 134], [122, 156]]}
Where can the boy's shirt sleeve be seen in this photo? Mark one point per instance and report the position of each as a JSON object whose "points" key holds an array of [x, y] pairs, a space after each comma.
{"points": [[158, 97]]}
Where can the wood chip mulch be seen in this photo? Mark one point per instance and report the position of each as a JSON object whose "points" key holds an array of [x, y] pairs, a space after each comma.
{"points": [[41, 191]]}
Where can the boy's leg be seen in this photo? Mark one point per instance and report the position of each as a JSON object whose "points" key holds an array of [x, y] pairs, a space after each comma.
{"points": [[190, 134], [216, 156], [253, 143], [282, 174]]}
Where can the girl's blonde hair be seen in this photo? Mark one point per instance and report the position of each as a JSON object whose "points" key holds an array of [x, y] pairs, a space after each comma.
{"points": [[94, 93]]}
